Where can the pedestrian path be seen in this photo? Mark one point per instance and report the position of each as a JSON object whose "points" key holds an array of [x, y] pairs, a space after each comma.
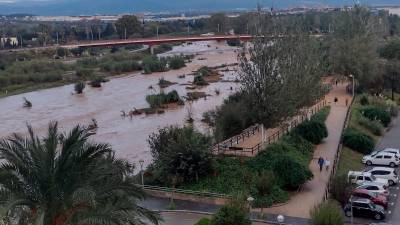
{"points": [[312, 192]]}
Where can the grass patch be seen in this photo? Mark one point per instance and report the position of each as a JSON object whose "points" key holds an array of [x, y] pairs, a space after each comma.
{"points": [[349, 160]]}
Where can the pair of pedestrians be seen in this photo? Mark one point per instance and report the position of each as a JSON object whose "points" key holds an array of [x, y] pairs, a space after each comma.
{"points": [[323, 162]]}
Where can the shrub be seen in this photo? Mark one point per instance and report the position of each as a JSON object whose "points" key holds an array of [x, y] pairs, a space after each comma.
{"points": [[231, 215], [322, 115], [372, 125], [375, 113], [233, 42], [176, 62], [84, 72], [341, 189], [394, 110], [157, 100], [203, 221], [364, 99], [313, 131], [358, 141], [327, 213], [61, 52], [291, 173], [180, 153], [199, 80], [154, 64], [79, 87]]}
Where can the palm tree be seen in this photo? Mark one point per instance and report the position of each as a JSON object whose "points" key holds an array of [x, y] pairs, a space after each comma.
{"points": [[64, 179]]}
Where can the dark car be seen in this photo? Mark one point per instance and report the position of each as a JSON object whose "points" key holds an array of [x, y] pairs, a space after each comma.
{"points": [[375, 198], [363, 207]]}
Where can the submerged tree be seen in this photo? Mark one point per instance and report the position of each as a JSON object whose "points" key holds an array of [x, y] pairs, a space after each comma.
{"points": [[66, 179]]}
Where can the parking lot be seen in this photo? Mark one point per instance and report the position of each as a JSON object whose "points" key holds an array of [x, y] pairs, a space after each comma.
{"points": [[392, 140]]}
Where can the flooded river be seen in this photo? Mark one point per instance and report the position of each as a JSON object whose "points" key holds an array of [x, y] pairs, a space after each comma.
{"points": [[127, 137]]}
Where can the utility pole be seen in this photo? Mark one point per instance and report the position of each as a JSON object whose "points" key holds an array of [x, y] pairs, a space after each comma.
{"points": [[125, 33], [20, 37], [57, 37], [188, 30], [91, 32], [218, 29]]}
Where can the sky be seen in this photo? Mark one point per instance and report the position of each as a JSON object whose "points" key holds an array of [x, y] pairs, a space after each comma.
{"points": [[88, 7]]}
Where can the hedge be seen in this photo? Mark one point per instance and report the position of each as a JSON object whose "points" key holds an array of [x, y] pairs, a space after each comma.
{"points": [[313, 131], [358, 141], [375, 113]]}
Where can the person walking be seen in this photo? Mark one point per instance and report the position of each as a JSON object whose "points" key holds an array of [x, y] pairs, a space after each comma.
{"points": [[321, 162], [327, 164], [335, 100], [347, 101]]}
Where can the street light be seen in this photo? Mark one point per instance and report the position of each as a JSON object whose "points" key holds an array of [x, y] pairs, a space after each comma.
{"points": [[280, 219], [250, 201], [351, 76], [141, 162]]}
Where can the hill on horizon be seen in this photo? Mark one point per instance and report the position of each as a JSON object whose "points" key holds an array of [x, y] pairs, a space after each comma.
{"points": [[90, 7]]}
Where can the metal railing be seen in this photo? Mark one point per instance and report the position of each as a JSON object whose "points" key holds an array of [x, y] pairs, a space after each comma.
{"points": [[229, 143], [189, 192]]}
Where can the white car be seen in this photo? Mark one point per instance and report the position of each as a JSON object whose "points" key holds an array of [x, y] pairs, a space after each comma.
{"points": [[381, 158], [359, 177], [388, 150], [386, 173], [375, 188]]}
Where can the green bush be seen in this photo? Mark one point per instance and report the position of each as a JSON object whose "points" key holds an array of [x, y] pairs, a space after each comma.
{"points": [[372, 125], [291, 173], [375, 113], [176, 62], [327, 213], [231, 215], [322, 115], [84, 72], [79, 87], [313, 131], [358, 141], [364, 99], [199, 80], [152, 64], [157, 100], [203, 221]]}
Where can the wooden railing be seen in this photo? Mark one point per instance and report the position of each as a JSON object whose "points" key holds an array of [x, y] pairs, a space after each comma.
{"points": [[229, 144]]}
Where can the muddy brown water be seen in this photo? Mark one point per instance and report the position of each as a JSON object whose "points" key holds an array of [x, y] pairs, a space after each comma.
{"points": [[127, 137]]}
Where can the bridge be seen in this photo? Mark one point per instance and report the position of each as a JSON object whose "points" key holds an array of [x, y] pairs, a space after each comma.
{"points": [[156, 41]]}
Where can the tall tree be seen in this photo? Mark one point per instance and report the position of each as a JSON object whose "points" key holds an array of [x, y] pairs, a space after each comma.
{"points": [[65, 179], [353, 49], [127, 26], [280, 75]]}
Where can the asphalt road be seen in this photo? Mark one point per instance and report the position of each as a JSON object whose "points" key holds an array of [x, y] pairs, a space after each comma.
{"points": [[392, 139]]}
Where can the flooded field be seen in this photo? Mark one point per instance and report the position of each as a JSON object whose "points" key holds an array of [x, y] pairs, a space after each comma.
{"points": [[127, 136]]}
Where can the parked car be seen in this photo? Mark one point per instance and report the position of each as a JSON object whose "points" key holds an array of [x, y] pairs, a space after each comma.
{"points": [[375, 188], [384, 172], [388, 150], [382, 158], [377, 199], [362, 207], [359, 177]]}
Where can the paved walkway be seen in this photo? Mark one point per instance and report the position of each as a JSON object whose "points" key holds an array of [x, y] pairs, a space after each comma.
{"points": [[312, 192]]}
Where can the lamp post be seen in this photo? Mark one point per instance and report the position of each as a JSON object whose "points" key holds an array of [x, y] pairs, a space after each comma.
{"points": [[280, 219], [141, 162], [250, 201], [352, 77]]}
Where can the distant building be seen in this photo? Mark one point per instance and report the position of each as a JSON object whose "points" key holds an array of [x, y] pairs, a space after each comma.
{"points": [[4, 41]]}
